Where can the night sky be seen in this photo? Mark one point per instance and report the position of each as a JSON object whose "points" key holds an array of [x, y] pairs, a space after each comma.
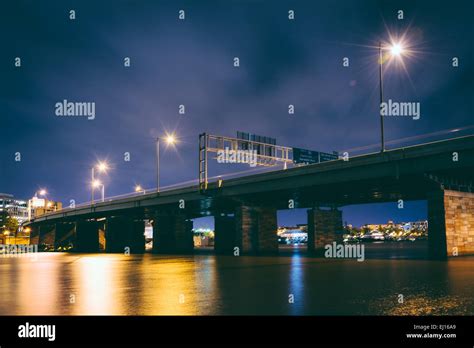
{"points": [[190, 62]]}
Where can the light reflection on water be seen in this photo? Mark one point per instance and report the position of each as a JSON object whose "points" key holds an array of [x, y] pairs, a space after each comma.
{"points": [[94, 279], [59, 283], [296, 285]]}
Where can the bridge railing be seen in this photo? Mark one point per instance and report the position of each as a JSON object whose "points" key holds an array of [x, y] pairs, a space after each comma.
{"points": [[144, 192], [445, 134], [151, 191]]}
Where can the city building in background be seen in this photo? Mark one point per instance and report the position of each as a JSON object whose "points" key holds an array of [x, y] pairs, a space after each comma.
{"points": [[203, 237], [293, 234], [40, 206], [403, 231], [16, 208], [148, 235]]}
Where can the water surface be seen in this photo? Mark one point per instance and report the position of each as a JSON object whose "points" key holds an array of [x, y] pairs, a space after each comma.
{"points": [[115, 284]]}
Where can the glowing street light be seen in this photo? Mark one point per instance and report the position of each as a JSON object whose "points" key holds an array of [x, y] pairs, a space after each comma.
{"points": [[396, 49], [101, 167], [97, 184], [170, 139], [138, 188]]}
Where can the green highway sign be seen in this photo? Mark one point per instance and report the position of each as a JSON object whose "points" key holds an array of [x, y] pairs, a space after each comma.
{"points": [[303, 156]]}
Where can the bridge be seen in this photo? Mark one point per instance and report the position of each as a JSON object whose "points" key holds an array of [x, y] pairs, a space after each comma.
{"points": [[245, 208]]}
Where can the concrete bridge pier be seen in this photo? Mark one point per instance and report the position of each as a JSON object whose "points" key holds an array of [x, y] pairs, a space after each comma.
{"points": [[450, 224], [324, 227], [172, 234], [252, 230], [87, 236], [225, 234], [34, 234], [123, 234], [266, 234]]}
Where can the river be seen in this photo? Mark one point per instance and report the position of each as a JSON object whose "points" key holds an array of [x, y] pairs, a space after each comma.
{"points": [[206, 284]]}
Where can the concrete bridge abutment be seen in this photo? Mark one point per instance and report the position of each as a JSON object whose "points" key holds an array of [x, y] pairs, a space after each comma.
{"points": [[450, 224]]}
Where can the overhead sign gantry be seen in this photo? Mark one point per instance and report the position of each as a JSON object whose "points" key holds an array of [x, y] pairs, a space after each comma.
{"points": [[262, 150]]}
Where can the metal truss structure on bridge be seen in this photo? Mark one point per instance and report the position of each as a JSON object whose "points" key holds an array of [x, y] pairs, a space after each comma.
{"points": [[261, 154]]}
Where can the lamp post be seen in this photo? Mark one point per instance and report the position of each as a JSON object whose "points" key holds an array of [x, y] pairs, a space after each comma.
{"points": [[382, 140], [396, 50], [102, 168], [170, 139]]}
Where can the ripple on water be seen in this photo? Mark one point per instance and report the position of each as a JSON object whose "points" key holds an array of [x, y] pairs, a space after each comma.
{"points": [[422, 305]]}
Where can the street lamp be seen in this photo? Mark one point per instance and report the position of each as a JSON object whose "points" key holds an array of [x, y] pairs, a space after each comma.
{"points": [[170, 139], [96, 184], [396, 50], [101, 167], [138, 188]]}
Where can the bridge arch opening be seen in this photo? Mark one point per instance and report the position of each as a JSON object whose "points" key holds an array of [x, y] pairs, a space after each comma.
{"points": [[396, 229], [292, 230], [203, 233]]}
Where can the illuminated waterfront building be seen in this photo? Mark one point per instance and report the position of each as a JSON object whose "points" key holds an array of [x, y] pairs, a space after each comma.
{"points": [[40, 206]]}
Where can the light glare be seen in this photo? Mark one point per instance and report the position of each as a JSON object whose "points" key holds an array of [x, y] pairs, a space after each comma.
{"points": [[102, 166], [396, 49], [96, 183], [170, 139]]}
